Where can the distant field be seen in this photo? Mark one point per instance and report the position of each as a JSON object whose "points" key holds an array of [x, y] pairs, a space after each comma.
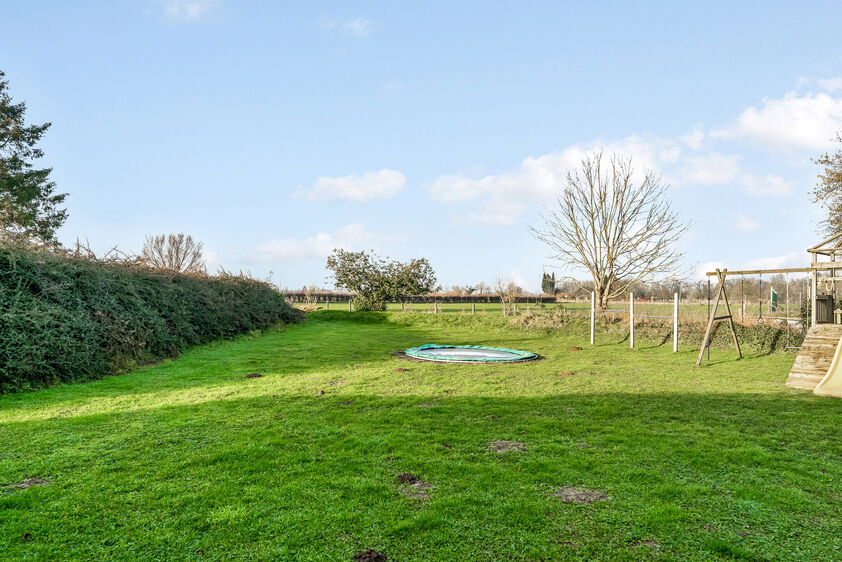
{"points": [[688, 311]]}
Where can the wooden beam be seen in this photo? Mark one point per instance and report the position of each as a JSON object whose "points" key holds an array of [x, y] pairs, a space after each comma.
{"points": [[764, 271], [816, 248]]}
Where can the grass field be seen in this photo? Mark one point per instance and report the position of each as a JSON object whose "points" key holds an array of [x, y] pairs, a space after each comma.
{"points": [[189, 459]]}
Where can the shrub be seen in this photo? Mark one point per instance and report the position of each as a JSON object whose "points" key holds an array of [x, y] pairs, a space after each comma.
{"points": [[68, 319], [376, 281]]}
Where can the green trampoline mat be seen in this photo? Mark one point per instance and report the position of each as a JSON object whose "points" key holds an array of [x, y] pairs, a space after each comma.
{"points": [[469, 354]]}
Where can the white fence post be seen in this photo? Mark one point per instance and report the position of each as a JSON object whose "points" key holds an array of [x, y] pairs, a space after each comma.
{"points": [[675, 323], [631, 320], [593, 313], [435, 307], [327, 303], [349, 305]]}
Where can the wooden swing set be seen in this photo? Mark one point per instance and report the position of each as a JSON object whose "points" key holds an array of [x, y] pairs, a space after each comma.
{"points": [[722, 296], [829, 248]]}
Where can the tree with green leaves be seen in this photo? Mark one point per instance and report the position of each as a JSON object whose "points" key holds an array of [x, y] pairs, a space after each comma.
{"points": [[377, 281], [30, 210], [548, 284], [828, 190]]}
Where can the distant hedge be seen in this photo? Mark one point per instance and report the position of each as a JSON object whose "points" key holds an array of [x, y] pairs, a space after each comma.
{"points": [[64, 319]]}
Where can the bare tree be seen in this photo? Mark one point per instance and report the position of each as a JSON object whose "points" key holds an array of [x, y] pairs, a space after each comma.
{"points": [[176, 253], [508, 293], [309, 293], [828, 190], [620, 231]]}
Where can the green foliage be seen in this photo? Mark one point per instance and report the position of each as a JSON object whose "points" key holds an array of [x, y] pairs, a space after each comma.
{"points": [[29, 208], [548, 284], [64, 319], [377, 281]]}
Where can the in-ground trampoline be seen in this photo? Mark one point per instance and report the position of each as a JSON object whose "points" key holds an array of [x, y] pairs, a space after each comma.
{"points": [[469, 354]]}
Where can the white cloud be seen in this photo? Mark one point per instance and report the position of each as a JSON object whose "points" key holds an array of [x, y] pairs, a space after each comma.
{"points": [[706, 267], [358, 27], [382, 184], [796, 121], [521, 281], [317, 246], [212, 260], [505, 196], [745, 224], [188, 10], [824, 84], [711, 168], [694, 138], [794, 259], [769, 185]]}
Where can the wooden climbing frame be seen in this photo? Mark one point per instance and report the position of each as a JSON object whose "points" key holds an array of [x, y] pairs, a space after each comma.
{"points": [[713, 319]]}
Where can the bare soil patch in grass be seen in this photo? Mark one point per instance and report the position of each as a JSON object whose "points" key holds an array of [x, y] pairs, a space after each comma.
{"points": [[370, 555], [253, 376], [414, 487], [569, 494], [506, 446], [27, 483]]}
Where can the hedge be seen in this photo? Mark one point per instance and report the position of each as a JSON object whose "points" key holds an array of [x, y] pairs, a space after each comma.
{"points": [[64, 319]]}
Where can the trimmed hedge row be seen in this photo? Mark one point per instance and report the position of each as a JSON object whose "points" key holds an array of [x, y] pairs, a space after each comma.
{"points": [[69, 320]]}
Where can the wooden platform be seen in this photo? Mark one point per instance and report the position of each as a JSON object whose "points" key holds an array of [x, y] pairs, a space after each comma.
{"points": [[814, 358]]}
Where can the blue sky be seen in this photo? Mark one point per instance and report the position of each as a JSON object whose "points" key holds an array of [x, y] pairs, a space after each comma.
{"points": [[274, 132]]}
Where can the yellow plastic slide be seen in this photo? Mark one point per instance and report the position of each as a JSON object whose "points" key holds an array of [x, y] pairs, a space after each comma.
{"points": [[831, 383]]}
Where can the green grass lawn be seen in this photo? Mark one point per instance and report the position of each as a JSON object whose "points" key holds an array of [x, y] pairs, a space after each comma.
{"points": [[189, 459]]}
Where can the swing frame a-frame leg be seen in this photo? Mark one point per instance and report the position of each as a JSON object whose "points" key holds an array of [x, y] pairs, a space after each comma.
{"points": [[720, 295]]}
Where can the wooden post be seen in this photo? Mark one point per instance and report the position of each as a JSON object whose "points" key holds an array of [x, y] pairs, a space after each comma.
{"points": [[435, 307], [813, 290], [593, 313], [631, 320], [349, 305], [675, 324], [473, 308], [327, 303]]}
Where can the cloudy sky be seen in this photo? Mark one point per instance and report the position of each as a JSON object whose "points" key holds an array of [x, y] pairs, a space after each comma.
{"points": [[276, 132]]}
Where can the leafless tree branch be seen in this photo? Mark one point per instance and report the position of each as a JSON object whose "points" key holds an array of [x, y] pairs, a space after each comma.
{"points": [[620, 231]]}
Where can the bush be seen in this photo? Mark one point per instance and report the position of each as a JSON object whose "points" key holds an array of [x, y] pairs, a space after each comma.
{"points": [[67, 319]]}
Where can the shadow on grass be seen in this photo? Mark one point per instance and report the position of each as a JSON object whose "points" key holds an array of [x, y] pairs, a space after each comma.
{"points": [[679, 468]]}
